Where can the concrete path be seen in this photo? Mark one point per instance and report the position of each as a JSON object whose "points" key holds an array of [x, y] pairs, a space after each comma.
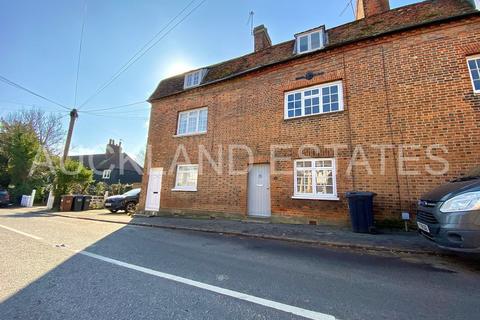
{"points": [[389, 241]]}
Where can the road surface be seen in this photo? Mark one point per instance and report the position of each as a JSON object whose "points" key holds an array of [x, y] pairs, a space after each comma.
{"points": [[60, 268]]}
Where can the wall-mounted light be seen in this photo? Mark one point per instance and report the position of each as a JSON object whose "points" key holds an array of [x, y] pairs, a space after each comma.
{"points": [[310, 75]]}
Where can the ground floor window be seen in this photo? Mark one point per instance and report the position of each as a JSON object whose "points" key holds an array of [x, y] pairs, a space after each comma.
{"points": [[315, 179], [186, 179]]}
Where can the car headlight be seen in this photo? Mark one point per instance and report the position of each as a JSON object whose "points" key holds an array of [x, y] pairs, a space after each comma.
{"points": [[465, 202]]}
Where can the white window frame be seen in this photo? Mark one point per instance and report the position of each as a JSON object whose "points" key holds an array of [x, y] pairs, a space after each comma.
{"points": [[303, 97], [314, 195], [197, 130], [308, 34], [185, 188], [106, 174], [196, 78], [473, 58]]}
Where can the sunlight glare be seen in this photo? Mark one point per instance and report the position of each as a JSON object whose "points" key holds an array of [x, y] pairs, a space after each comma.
{"points": [[177, 67]]}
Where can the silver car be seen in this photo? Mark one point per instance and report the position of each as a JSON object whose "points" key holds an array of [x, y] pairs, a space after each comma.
{"points": [[450, 215]]}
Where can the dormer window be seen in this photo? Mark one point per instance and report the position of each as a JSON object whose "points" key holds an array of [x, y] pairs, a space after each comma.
{"points": [[193, 79], [310, 40]]}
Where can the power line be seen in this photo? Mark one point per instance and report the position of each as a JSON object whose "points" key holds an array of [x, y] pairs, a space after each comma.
{"points": [[146, 48], [137, 110], [119, 107], [80, 51], [23, 108], [27, 104], [16, 85], [112, 116]]}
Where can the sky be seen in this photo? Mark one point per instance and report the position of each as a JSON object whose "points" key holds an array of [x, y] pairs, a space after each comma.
{"points": [[40, 40]]}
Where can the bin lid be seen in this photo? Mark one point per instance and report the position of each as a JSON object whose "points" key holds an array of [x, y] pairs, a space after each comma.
{"points": [[355, 194]]}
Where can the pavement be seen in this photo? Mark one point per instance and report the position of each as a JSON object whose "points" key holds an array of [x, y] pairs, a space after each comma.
{"points": [[385, 240], [56, 267]]}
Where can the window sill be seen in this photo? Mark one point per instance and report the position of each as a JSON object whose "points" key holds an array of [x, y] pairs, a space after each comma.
{"points": [[313, 115], [191, 87], [184, 190], [309, 51], [189, 134], [325, 198]]}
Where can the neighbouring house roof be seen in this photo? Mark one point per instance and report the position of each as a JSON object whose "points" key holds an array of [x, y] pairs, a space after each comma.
{"points": [[106, 161], [415, 15]]}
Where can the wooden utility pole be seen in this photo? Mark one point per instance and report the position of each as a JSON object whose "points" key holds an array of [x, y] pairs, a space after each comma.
{"points": [[73, 117]]}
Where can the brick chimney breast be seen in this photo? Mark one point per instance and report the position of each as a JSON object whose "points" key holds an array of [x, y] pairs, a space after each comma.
{"points": [[368, 8], [261, 38]]}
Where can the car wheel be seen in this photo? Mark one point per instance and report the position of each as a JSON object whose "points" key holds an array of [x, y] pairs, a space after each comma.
{"points": [[131, 207], [113, 211]]}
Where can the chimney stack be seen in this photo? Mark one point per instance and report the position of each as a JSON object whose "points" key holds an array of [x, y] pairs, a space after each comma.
{"points": [[113, 148], [261, 38], [368, 8]]}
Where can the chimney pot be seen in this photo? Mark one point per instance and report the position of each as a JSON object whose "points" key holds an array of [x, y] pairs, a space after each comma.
{"points": [[368, 8], [261, 38]]}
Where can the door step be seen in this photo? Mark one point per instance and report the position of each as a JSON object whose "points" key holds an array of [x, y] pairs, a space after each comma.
{"points": [[257, 219]]}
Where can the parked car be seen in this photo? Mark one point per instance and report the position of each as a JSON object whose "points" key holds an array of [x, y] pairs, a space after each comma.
{"points": [[127, 201], [4, 198], [450, 214]]}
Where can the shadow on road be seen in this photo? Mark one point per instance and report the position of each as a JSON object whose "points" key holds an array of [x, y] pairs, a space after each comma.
{"points": [[341, 281]]}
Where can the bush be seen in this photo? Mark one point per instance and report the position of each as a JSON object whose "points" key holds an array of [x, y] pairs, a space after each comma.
{"points": [[119, 188], [72, 177]]}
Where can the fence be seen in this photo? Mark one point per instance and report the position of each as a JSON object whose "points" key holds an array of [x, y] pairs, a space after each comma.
{"points": [[97, 202]]}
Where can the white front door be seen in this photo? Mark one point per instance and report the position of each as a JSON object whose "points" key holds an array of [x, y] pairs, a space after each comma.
{"points": [[152, 203], [259, 190]]}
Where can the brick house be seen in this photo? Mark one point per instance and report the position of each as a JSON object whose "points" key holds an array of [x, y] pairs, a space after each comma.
{"points": [[388, 103]]}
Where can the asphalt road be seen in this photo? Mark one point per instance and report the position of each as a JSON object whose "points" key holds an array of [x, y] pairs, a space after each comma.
{"points": [[59, 268]]}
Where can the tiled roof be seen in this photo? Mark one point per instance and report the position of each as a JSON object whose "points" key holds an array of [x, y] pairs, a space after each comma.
{"points": [[394, 20], [105, 161]]}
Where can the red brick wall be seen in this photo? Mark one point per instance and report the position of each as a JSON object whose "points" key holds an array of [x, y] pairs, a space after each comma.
{"points": [[408, 88]]}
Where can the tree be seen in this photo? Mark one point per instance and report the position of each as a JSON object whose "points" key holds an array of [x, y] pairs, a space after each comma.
{"points": [[72, 177], [28, 137], [18, 148], [4, 176], [48, 127]]}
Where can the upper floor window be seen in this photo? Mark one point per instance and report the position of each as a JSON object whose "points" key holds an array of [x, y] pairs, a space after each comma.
{"points": [[310, 41], [194, 78], [474, 66], [192, 121], [315, 179], [324, 98], [106, 174], [186, 179]]}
